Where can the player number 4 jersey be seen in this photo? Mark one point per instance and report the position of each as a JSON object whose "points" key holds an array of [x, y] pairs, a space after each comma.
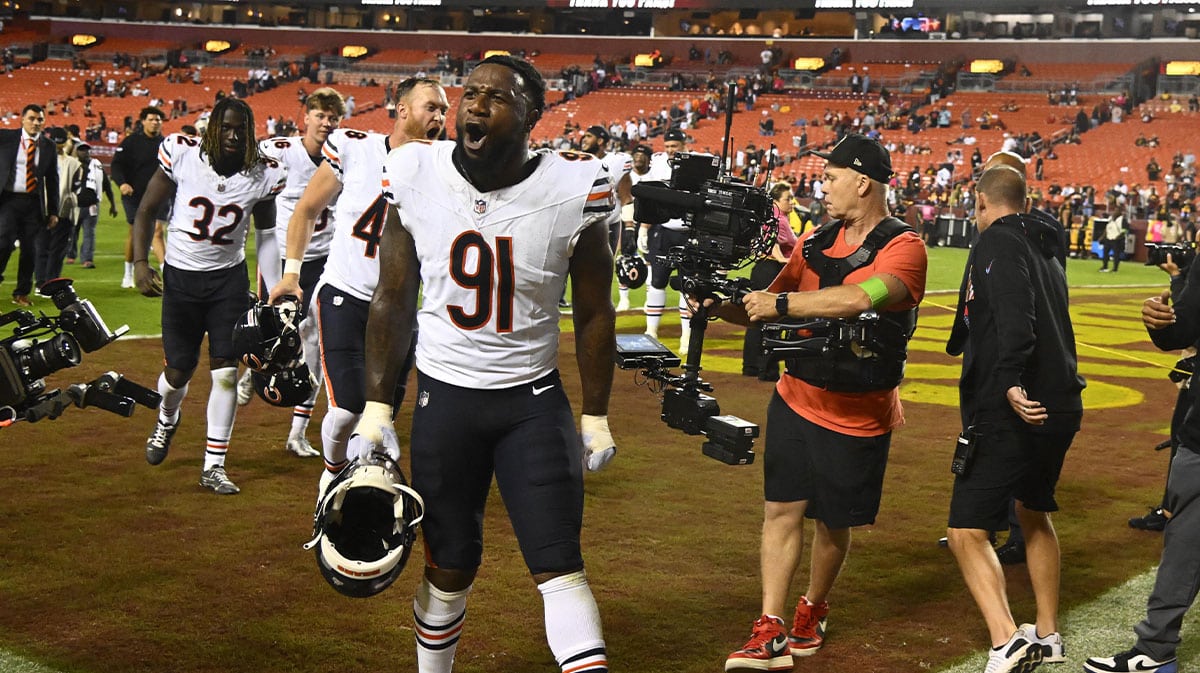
{"points": [[357, 159], [300, 169], [211, 213], [493, 264]]}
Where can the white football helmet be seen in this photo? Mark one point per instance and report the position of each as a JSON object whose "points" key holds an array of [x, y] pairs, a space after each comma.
{"points": [[365, 526]]}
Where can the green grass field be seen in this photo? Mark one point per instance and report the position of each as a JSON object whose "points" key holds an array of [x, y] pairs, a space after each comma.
{"points": [[109, 565]]}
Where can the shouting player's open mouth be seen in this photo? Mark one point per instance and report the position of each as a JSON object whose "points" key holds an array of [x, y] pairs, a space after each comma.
{"points": [[474, 136]]}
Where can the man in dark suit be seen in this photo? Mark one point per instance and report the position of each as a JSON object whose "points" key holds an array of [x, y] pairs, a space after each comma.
{"points": [[28, 194]]}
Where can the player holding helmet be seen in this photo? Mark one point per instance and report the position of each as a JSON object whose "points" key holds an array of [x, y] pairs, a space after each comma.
{"points": [[488, 232]]}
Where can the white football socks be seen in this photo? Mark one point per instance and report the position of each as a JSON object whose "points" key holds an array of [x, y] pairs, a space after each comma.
{"points": [[222, 408], [438, 617], [573, 624]]}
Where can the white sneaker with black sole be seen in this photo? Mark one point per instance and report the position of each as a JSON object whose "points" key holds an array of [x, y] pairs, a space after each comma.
{"points": [[1018, 655], [1052, 645], [1131, 661]]}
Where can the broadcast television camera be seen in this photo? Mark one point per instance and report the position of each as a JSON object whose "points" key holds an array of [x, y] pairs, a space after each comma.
{"points": [[1181, 253], [40, 346], [729, 225]]}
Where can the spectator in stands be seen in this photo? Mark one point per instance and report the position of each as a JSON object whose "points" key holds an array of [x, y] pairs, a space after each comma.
{"points": [[1082, 122], [766, 126], [1153, 170]]}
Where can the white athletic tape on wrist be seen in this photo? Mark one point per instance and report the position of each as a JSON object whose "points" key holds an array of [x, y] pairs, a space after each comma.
{"points": [[292, 266], [598, 445]]}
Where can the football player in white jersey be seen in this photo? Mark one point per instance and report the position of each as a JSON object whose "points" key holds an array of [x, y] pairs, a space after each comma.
{"points": [[488, 232], [353, 169], [216, 182], [662, 238], [595, 142], [301, 155]]}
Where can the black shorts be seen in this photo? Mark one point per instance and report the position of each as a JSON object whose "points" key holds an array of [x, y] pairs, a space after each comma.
{"points": [[1009, 463], [196, 303], [661, 242], [310, 274], [342, 326], [131, 204], [525, 436], [841, 476]]}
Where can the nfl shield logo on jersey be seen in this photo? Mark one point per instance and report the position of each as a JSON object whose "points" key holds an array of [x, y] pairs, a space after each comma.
{"points": [[480, 206], [423, 398]]}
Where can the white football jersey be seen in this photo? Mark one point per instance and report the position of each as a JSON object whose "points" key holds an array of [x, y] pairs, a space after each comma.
{"points": [[619, 165], [211, 213], [300, 168], [493, 264], [358, 216]]}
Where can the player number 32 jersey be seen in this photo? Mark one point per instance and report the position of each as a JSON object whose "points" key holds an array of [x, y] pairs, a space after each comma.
{"points": [[493, 264], [211, 212]]}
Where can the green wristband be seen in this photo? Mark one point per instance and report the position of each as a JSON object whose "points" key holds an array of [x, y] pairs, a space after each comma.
{"points": [[876, 290]]}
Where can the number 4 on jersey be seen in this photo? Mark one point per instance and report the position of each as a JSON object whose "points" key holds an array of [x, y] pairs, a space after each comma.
{"points": [[369, 227]]}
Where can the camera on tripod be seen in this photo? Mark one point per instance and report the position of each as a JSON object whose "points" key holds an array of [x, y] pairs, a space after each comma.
{"points": [[40, 346]]}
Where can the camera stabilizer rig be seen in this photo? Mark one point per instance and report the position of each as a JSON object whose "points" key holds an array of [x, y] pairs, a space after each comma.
{"points": [[729, 224], [40, 346]]}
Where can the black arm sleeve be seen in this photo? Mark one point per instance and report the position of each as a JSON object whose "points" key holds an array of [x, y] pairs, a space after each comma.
{"points": [[1186, 329]]}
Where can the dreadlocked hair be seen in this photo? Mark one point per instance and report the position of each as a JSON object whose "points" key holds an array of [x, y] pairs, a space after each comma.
{"points": [[210, 143], [535, 86]]}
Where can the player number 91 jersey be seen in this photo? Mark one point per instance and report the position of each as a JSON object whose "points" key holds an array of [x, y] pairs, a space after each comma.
{"points": [[356, 157], [493, 264], [300, 169], [211, 213]]}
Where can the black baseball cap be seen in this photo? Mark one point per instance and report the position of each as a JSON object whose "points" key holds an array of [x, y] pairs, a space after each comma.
{"points": [[859, 153], [82, 146], [599, 131], [676, 135], [644, 149], [58, 134]]}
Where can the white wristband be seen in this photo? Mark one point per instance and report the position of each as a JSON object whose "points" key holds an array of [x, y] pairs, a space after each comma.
{"points": [[292, 266]]}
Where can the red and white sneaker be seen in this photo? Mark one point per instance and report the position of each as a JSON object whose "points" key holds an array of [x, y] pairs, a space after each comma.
{"points": [[767, 649], [808, 630]]}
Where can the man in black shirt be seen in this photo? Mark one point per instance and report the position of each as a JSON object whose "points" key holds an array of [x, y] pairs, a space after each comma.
{"points": [[1178, 577], [1021, 407], [132, 167]]}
